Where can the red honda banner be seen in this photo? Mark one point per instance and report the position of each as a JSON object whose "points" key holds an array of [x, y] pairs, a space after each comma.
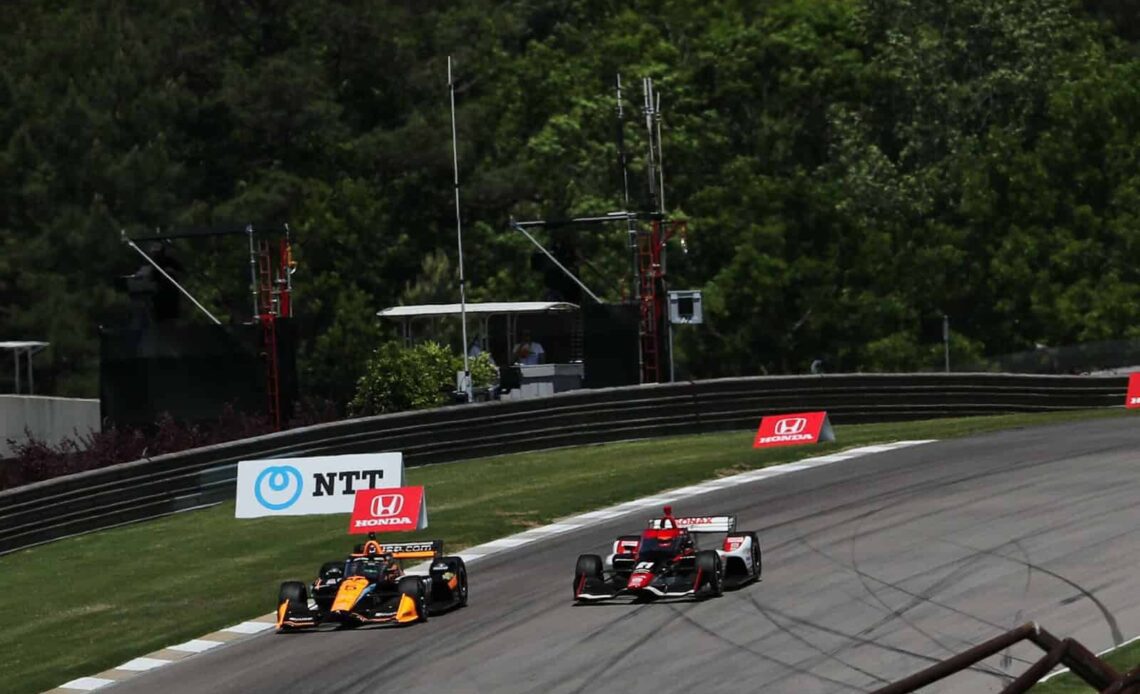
{"points": [[388, 510], [1132, 400], [793, 429]]}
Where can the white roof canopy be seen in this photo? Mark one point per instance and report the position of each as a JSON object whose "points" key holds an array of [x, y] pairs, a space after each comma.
{"points": [[22, 344], [490, 307]]}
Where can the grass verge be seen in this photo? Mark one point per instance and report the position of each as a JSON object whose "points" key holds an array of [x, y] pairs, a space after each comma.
{"points": [[93, 602], [1122, 660]]}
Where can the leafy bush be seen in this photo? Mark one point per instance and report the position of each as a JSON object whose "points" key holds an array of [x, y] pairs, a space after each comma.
{"points": [[399, 378]]}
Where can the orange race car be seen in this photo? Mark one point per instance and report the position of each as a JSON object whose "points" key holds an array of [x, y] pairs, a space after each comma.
{"points": [[370, 587]]}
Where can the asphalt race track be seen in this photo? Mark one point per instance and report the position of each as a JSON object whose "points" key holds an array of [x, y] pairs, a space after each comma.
{"points": [[873, 570]]}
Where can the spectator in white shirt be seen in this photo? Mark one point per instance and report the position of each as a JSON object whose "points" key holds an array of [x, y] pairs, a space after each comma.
{"points": [[528, 352]]}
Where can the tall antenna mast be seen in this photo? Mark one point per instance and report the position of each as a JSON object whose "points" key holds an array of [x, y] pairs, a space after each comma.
{"points": [[621, 146], [651, 159], [459, 238], [631, 223], [660, 153]]}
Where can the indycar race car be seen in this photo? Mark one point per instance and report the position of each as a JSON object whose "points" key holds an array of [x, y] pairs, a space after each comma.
{"points": [[370, 587], [665, 562]]}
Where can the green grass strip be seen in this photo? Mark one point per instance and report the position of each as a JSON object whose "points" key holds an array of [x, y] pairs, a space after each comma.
{"points": [[83, 605]]}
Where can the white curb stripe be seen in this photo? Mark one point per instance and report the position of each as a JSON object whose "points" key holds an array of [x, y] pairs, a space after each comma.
{"points": [[195, 646], [143, 664], [87, 684], [249, 627]]}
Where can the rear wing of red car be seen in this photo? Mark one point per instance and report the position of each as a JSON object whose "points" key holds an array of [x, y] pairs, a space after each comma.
{"points": [[427, 549], [698, 524]]}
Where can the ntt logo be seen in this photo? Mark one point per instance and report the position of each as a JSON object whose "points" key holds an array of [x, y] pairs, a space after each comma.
{"points": [[278, 487]]}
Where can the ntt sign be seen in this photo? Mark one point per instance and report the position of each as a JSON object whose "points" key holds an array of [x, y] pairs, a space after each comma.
{"points": [[793, 429], [312, 486]]}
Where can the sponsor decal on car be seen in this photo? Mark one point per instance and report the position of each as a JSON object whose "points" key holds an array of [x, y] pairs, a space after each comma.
{"points": [[793, 429], [398, 509]]}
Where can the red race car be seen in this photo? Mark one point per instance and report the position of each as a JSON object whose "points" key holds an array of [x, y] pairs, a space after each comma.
{"points": [[665, 561]]}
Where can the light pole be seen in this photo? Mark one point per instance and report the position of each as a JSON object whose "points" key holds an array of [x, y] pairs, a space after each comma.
{"points": [[946, 339], [459, 239]]}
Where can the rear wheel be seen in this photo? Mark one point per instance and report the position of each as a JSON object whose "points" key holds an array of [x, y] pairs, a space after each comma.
{"points": [[756, 556], [709, 566], [442, 572], [331, 570], [414, 589], [589, 566], [462, 584]]}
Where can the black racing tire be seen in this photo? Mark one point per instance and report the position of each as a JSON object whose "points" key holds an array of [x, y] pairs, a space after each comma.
{"points": [[295, 593], [456, 566], [413, 587], [588, 566], [757, 556], [712, 575], [331, 569]]}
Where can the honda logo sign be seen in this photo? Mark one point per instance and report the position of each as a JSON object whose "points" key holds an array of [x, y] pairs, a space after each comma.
{"points": [[387, 505], [790, 425], [1132, 399], [792, 429], [380, 510]]}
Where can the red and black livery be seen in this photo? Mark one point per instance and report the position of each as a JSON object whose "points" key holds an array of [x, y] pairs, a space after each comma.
{"points": [[665, 561]]}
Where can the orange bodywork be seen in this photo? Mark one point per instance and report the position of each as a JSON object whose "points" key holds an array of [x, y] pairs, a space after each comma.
{"points": [[349, 593], [407, 611]]}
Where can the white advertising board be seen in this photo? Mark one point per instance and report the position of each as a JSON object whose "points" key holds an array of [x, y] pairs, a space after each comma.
{"points": [[312, 486]]}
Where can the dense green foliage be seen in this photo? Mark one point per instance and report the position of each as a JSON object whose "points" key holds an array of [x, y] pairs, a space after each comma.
{"points": [[851, 169], [397, 379]]}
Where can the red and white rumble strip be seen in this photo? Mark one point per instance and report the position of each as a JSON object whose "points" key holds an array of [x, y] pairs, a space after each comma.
{"points": [[246, 630]]}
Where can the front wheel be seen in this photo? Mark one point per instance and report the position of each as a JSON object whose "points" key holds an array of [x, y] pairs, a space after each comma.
{"points": [[414, 589], [589, 567], [294, 593], [709, 566]]}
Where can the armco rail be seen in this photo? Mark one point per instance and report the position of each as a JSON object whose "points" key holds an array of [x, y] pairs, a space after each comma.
{"points": [[170, 483]]}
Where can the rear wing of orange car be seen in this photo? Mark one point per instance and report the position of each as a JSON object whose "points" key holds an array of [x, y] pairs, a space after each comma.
{"points": [[428, 549]]}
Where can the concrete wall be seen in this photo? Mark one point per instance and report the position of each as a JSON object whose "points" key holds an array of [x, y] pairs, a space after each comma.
{"points": [[50, 419]]}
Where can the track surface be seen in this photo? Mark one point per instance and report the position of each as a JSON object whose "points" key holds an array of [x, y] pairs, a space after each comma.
{"points": [[873, 569]]}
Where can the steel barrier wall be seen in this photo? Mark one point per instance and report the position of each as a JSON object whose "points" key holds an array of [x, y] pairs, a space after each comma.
{"points": [[175, 482]]}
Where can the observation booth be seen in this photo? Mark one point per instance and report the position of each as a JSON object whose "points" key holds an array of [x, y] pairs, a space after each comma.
{"points": [[496, 327], [25, 349]]}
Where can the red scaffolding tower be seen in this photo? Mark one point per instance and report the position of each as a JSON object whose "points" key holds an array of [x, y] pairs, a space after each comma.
{"points": [[273, 299]]}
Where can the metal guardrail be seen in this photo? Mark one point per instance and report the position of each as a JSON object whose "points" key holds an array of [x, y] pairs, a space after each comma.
{"points": [[166, 484], [1079, 660]]}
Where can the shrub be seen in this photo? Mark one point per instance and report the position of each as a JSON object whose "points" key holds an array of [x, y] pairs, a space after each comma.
{"points": [[399, 378]]}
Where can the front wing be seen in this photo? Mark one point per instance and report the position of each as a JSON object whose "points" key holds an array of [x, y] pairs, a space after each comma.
{"points": [[392, 611], [614, 586]]}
